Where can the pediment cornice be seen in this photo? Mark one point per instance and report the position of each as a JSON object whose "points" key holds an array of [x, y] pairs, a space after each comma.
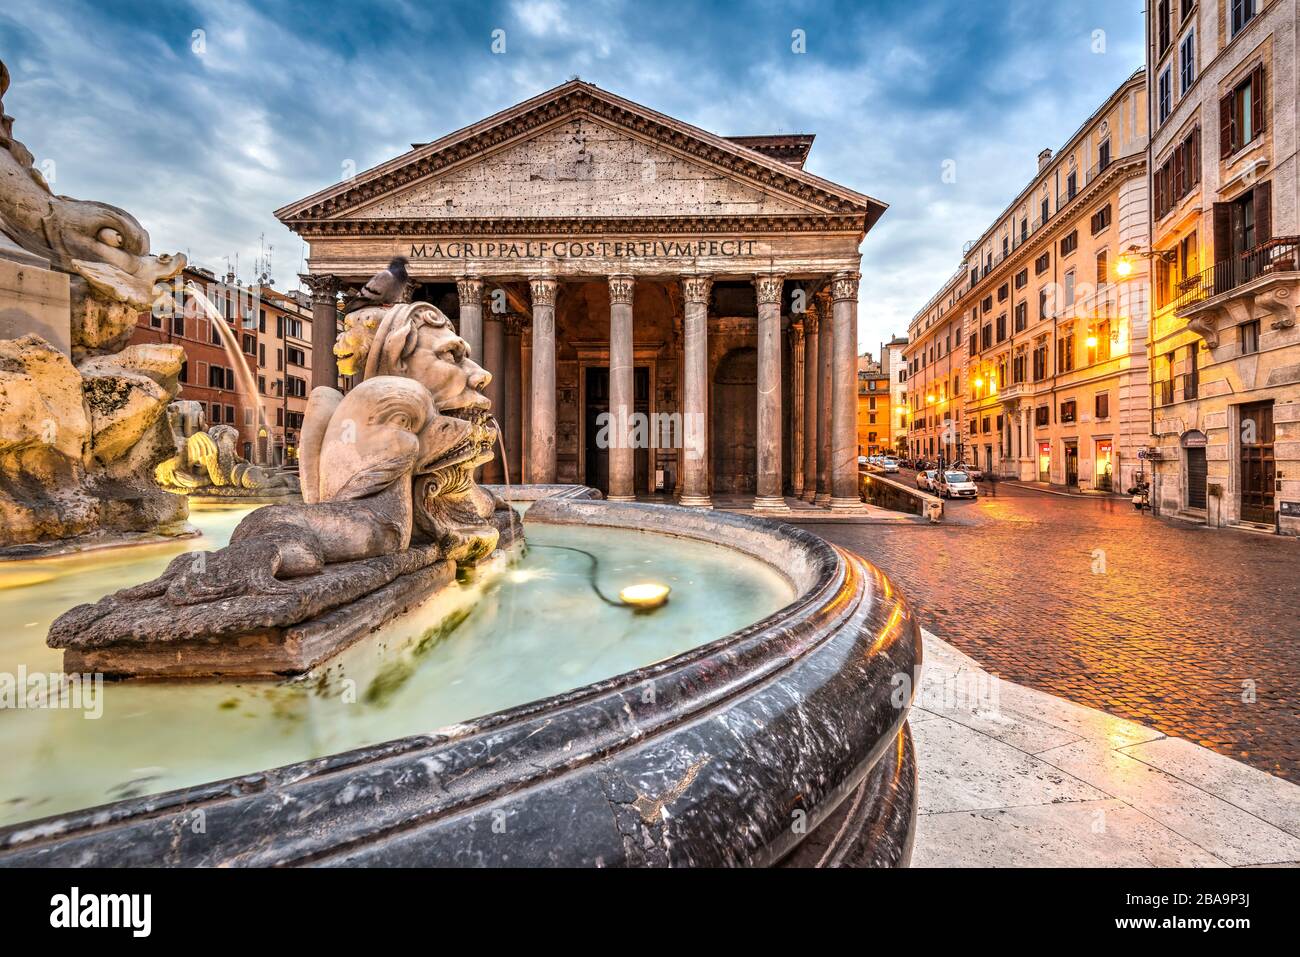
{"points": [[574, 99]]}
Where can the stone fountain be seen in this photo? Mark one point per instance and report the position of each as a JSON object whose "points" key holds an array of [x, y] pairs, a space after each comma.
{"points": [[208, 467], [81, 412], [390, 511]]}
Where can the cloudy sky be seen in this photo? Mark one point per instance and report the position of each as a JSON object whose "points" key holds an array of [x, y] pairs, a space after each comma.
{"points": [[203, 134]]}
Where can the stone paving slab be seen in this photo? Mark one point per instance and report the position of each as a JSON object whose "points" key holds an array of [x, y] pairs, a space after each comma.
{"points": [[1010, 776]]}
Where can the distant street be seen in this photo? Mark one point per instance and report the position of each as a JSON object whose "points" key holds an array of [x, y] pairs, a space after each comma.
{"points": [[1191, 631]]}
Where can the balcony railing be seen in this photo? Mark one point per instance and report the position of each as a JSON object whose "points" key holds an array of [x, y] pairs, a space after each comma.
{"points": [[1276, 255]]}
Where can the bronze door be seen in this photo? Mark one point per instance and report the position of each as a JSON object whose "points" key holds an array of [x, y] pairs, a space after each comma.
{"points": [[1257, 463]]}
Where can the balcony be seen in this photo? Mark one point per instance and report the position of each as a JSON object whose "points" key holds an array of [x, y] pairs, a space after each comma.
{"points": [[1260, 284]]}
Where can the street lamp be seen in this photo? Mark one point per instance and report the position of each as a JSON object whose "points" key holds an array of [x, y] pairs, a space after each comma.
{"points": [[1124, 265]]}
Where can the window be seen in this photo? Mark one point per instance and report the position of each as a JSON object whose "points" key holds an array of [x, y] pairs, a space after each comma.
{"points": [[261, 320], [1040, 362], [1002, 327], [1024, 228], [1101, 219], [974, 344], [279, 359], [1042, 414], [1243, 11], [1069, 288], [216, 377], [178, 325], [296, 357], [1166, 94], [250, 344], [1192, 384], [1022, 279], [1163, 34], [1042, 263], [261, 384], [1046, 212], [1179, 174], [1103, 156], [1187, 62], [1006, 246], [1003, 292], [1103, 273], [1101, 351], [1068, 411], [1248, 336], [293, 328], [987, 304], [230, 414], [1241, 114], [297, 387], [1018, 367], [1065, 354], [1022, 316], [185, 372], [1042, 303], [1071, 185], [984, 424], [986, 337], [1070, 243], [1101, 407]]}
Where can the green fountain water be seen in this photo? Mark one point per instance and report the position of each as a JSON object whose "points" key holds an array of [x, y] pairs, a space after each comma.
{"points": [[539, 630]]}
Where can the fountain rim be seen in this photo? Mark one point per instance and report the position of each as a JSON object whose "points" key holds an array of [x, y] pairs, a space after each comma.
{"points": [[710, 677]]}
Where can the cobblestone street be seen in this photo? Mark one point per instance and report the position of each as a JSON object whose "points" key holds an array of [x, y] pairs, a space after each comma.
{"points": [[1193, 632]]}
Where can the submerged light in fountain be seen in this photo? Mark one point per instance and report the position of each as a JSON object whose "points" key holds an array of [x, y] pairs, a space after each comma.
{"points": [[644, 596]]}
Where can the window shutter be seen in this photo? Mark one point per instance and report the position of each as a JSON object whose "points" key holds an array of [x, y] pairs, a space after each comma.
{"points": [[1263, 195], [1257, 111], [1196, 156], [1227, 127], [1222, 232]]}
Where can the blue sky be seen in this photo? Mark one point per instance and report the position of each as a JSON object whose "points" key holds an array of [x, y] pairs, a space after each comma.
{"points": [[202, 144]]}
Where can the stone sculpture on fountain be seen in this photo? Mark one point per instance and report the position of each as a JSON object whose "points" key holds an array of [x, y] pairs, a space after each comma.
{"points": [[208, 465], [390, 510], [81, 430]]}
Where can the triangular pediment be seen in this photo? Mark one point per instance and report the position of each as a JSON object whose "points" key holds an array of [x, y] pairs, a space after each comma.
{"points": [[579, 151]]}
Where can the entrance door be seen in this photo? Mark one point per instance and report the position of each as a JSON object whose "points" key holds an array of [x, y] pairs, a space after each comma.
{"points": [[597, 403], [1072, 464], [1104, 478], [1196, 476], [1044, 461], [1257, 464], [734, 426]]}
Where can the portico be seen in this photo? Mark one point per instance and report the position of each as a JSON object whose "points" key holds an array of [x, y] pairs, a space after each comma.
{"points": [[643, 291]]}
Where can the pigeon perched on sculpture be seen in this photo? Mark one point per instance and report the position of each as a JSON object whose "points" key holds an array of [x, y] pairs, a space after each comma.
{"points": [[385, 288]]}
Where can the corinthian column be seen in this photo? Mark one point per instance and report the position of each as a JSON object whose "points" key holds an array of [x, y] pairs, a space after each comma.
{"points": [[825, 365], [511, 416], [494, 347], [324, 328], [471, 314], [844, 391], [695, 419], [541, 440], [769, 495], [811, 373], [796, 406], [622, 471]]}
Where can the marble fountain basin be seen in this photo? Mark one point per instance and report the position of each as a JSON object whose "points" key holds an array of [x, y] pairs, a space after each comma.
{"points": [[759, 718]]}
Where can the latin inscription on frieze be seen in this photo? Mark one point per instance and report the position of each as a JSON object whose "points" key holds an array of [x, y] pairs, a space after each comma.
{"points": [[583, 249]]}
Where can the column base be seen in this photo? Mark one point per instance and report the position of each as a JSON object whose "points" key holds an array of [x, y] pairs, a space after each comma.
{"points": [[695, 501], [822, 498], [770, 503], [847, 505], [620, 498]]}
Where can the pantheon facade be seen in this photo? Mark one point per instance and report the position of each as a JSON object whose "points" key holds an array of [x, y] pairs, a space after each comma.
{"points": [[665, 311]]}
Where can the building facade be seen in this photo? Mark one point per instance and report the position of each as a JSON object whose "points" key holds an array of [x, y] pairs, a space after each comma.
{"points": [[1031, 361], [255, 375], [894, 365], [874, 415], [935, 365], [615, 266], [1225, 345]]}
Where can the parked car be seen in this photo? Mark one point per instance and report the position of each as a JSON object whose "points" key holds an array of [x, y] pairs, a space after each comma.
{"points": [[888, 464], [863, 461], [974, 471], [925, 479], [954, 484]]}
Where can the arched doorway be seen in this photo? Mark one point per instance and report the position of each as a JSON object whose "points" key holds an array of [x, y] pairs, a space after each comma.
{"points": [[735, 422]]}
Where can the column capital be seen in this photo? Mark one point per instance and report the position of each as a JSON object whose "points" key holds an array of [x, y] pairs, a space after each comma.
{"points": [[323, 288], [470, 290], [796, 331], [543, 291], [621, 289], [845, 285], [696, 289], [769, 288]]}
